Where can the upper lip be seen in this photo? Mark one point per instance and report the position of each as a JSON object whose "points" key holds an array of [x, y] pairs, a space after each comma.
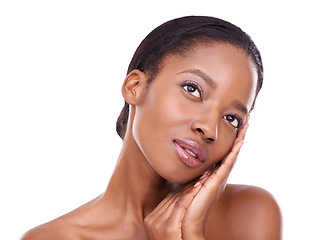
{"points": [[194, 147]]}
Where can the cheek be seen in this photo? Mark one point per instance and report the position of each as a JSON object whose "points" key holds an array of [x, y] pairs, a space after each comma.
{"points": [[159, 117], [150, 126], [224, 145]]}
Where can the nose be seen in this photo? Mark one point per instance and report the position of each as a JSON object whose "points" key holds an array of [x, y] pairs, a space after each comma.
{"points": [[208, 128]]}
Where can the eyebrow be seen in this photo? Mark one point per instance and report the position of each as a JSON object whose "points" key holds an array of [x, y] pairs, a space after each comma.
{"points": [[202, 75], [238, 105]]}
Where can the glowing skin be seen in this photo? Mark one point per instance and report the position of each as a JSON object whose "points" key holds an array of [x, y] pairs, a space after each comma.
{"points": [[193, 98], [185, 122]]}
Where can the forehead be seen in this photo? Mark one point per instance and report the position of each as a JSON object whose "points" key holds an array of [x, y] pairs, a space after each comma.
{"points": [[229, 66], [231, 69], [212, 55]]}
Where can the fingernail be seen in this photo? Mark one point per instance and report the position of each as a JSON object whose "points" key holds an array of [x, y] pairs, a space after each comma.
{"points": [[196, 184], [203, 176]]}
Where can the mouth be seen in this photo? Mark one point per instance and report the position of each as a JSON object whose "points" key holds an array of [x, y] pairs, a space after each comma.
{"points": [[190, 152]]}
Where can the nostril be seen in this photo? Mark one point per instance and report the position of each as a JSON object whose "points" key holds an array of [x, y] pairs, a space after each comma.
{"points": [[199, 130], [210, 139], [207, 139]]}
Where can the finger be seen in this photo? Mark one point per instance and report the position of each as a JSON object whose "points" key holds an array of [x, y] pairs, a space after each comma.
{"points": [[168, 214], [243, 130], [183, 202], [213, 186], [227, 164], [181, 205], [163, 205], [156, 224], [166, 205]]}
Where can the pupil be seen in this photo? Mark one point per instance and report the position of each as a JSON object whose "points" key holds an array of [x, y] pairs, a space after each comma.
{"points": [[230, 118], [191, 88]]}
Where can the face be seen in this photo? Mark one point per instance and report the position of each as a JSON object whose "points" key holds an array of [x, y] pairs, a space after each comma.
{"points": [[193, 109]]}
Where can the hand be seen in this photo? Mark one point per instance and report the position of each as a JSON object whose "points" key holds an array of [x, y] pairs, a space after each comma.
{"points": [[182, 214]]}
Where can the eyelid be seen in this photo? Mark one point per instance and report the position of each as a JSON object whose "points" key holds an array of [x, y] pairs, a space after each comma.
{"points": [[240, 120], [195, 84]]}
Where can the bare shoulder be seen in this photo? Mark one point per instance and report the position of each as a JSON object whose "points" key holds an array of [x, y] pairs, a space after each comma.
{"points": [[249, 194], [256, 211], [244, 212], [55, 229], [71, 226]]}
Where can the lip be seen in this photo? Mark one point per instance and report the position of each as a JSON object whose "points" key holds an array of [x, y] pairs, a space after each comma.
{"points": [[182, 145]]}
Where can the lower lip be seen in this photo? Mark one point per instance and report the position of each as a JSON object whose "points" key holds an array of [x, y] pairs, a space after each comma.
{"points": [[186, 157]]}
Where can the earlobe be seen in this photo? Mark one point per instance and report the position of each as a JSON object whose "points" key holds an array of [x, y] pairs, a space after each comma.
{"points": [[133, 86]]}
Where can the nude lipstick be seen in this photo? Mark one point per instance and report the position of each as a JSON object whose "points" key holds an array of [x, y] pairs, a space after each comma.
{"points": [[190, 152]]}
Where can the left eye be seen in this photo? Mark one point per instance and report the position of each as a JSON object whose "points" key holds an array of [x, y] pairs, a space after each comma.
{"points": [[191, 88], [233, 120]]}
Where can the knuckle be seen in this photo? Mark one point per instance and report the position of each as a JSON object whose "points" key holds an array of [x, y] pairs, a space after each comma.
{"points": [[158, 228], [180, 204], [148, 222], [169, 230]]}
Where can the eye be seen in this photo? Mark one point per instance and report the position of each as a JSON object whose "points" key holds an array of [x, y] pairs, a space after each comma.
{"points": [[235, 121], [192, 88]]}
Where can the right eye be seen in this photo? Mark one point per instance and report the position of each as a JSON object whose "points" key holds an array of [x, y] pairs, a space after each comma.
{"points": [[192, 88]]}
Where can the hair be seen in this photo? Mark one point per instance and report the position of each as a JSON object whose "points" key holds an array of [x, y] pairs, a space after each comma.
{"points": [[180, 35]]}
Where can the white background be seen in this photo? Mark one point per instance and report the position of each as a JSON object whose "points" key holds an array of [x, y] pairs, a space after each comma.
{"points": [[61, 67]]}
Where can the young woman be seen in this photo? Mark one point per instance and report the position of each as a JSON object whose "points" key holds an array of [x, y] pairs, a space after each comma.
{"points": [[188, 93]]}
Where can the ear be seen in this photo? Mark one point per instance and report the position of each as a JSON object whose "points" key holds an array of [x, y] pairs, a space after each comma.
{"points": [[133, 87]]}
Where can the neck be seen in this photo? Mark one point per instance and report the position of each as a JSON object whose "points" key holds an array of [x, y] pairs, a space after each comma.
{"points": [[135, 189]]}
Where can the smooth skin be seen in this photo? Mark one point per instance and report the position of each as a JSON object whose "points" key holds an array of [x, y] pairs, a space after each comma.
{"points": [[203, 96]]}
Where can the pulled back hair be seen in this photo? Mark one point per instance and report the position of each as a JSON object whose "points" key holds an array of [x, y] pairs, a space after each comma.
{"points": [[180, 35]]}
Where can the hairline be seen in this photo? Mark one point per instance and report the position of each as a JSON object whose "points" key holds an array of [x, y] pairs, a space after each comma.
{"points": [[175, 52]]}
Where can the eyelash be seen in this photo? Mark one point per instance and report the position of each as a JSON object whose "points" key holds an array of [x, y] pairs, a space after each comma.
{"points": [[198, 88], [195, 85], [239, 119]]}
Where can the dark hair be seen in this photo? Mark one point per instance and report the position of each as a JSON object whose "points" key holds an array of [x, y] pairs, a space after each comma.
{"points": [[180, 35]]}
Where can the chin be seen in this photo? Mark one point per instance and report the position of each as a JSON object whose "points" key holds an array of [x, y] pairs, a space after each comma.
{"points": [[181, 178]]}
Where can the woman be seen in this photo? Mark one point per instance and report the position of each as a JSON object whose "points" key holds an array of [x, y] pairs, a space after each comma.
{"points": [[188, 93]]}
